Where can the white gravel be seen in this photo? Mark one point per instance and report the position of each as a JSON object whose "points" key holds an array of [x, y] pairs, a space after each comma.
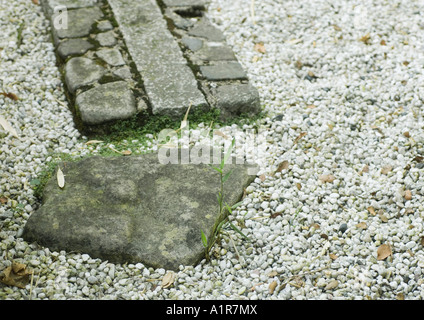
{"points": [[347, 73]]}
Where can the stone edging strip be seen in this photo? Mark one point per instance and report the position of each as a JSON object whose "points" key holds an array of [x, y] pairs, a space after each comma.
{"points": [[159, 58]]}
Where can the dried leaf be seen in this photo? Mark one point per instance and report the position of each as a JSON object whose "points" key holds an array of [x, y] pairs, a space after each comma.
{"points": [[418, 159], [10, 95], [273, 273], [386, 169], [382, 216], [3, 200], [126, 152], [262, 177], [168, 279], [384, 251], [406, 134], [400, 296], [332, 285], [184, 122], [371, 210], [221, 134], [259, 47], [16, 275], [282, 166], [383, 42], [272, 286], [93, 142], [275, 215], [299, 64], [366, 38], [35, 2], [311, 106], [6, 126], [362, 225], [364, 169], [299, 137], [422, 241], [408, 195], [298, 186], [332, 256], [327, 178], [336, 27], [60, 178]]}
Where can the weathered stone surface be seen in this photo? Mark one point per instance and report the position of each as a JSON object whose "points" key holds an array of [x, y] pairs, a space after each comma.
{"points": [[73, 47], [49, 5], [191, 43], [185, 3], [111, 56], [104, 25], [106, 39], [169, 82], [214, 53], [80, 23], [223, 71], [177, 20], [204, 29], [107, 102], [237, 99], [123, 73], [81, 71], [133, 209]]}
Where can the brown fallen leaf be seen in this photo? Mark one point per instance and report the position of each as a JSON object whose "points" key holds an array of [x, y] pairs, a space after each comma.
{"points": [[35, 2], [371, 210], [384, 251], [365, 39], [301, 135], [273, 273], [386, 169], [400, 296], [406, 134], [362, 225], [275, 215], [333, 256], [259, 47], [365, 169], [383, 42], [298, 64], [298, 186], [3, 200], [272, 286], [10, 95], [327, 178], [282, 166], [408, 195], [332, 285], [418, 159], [126, 152], [16, 275], [262, 177], [382, 216]]}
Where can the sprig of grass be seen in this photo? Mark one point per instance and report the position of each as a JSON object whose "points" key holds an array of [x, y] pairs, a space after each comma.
{"points": [[225, 210]]}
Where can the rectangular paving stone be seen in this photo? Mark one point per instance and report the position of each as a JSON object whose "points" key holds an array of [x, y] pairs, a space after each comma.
{"points": [[170, 84], [185, 3], [49, 5], [223, 71]]}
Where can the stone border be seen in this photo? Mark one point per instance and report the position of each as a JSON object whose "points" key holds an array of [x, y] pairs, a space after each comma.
{"points": [[178, 59]]}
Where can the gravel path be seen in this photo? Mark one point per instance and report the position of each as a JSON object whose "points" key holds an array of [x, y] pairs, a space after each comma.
{"points": [[343, 217]]}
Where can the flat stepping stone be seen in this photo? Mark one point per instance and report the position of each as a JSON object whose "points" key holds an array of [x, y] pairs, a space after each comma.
{"points": [[237, 99], [223, 71], [73, 47], [168, 81], [81, 72], [111, 56], [134, 209], [105, 103]]}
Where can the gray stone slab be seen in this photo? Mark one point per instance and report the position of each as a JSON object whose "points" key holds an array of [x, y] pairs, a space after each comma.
{"points": [[204, 29], [185, 3], [81, 71], [107, 39], [158, 58], [104, 25], [223, 71], [50, 5], [73, 47], [123, 73], [107, 102], [111, 56], [80, 23], [191, 43], [134, 209], [214, 53], [237, 99]]}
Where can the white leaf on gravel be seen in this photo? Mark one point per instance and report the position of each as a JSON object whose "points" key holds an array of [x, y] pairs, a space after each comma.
{"points": [[6, 126], [60, 178]]}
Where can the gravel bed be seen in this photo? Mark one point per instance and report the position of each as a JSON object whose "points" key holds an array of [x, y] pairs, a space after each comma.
{"points": [[340, 151]]}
